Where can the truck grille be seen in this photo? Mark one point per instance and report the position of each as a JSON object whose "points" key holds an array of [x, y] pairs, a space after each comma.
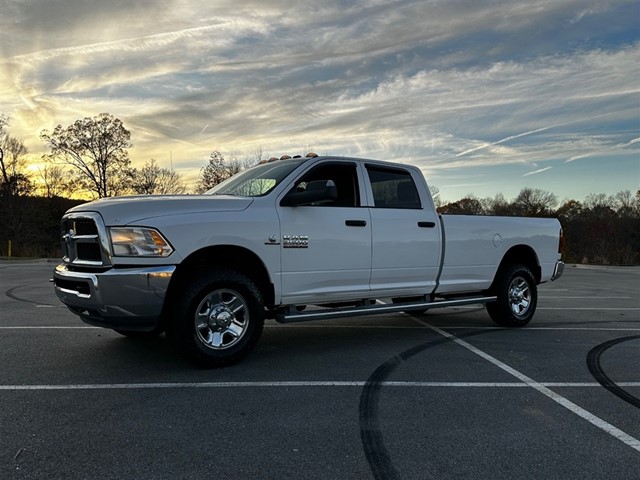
{"points": [[84, 226], [84, 240], [89, 251]]}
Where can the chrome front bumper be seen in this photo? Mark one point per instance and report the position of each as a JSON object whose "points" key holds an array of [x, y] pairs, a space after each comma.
{"points": [[126, 298]]}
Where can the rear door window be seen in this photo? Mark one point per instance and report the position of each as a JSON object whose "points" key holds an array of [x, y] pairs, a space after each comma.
{"points": [[393, 188]]}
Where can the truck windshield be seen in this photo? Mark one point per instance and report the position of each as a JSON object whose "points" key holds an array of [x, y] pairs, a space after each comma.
{"points": [[256, 181]]}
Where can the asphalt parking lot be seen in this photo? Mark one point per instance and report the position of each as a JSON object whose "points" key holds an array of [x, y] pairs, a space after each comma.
{"points": [[438, 395]]}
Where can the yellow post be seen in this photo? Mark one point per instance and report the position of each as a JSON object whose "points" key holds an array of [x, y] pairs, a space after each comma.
{"points": [[9, 247]]}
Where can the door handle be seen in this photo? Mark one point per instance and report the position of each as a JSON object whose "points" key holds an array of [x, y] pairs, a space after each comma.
{"points": [[426, 224], [355, 223]]}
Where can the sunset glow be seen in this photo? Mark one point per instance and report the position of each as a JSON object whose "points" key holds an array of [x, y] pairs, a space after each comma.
{"points": [[485, 97]]}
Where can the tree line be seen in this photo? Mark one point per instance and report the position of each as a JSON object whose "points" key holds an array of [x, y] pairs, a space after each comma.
{"points": [[89, 158], [602, 229]]}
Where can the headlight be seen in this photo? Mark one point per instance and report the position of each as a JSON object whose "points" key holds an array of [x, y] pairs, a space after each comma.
{"points": [[138, 242]]}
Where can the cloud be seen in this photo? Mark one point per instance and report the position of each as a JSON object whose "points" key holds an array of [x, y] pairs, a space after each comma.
{"points": [[443, 85], [535, 172], [602, 145], [506, 139]]}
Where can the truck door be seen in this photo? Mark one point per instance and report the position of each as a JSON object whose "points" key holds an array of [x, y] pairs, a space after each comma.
{"points": [[406, 238], [326, 246]]}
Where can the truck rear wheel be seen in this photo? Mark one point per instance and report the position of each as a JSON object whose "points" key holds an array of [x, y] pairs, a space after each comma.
{"points": [[517, 295], [217, 319]]}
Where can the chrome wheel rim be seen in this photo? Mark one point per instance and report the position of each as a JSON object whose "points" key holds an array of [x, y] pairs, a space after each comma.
{"points": [[519, 296], [221, 319]]}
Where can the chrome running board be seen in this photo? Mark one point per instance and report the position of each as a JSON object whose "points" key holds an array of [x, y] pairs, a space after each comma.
{"points": [[286, 316]]}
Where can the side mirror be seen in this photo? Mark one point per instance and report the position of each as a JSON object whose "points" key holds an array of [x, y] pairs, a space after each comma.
{"points": [[316, 191]]}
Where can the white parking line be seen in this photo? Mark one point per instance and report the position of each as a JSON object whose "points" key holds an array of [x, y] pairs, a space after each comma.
{"points": [[140, 386], [591, 297], [590, 308], [529, 329], [458, 327], [47, 327], [581, 412], [387, 327]]}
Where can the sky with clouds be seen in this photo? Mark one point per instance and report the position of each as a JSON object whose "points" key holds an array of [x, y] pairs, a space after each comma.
{"points": [[484, 96]]}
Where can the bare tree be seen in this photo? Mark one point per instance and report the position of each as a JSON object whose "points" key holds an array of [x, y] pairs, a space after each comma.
{"points": [[534, 202], [13, 180], [469, 205], [153, 179], [569, 211], [258, 155], [170, 183], [214, 172], [236, 164], [435, 194], [625, 203], [4, 124], [498, 205], [598, 201], [15, 185], [97, 149], [55, 180], [145, 180], [218, 169]]}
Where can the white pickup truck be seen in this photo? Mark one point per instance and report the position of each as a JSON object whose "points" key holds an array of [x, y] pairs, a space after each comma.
{"points": [[294, 239]]}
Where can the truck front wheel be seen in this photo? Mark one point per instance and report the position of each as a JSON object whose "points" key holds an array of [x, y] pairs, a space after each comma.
{"points": [[217, 319], [517, 295]]}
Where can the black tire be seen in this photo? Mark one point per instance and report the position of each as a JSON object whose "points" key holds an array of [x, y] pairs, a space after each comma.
{"points": [[517, 294], [216, 319]]}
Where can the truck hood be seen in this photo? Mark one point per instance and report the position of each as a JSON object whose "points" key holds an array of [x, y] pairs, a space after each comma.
{"points": [[135, 209]]}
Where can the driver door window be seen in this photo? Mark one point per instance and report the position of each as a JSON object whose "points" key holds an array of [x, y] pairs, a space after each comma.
{"points": [[345, 177]]}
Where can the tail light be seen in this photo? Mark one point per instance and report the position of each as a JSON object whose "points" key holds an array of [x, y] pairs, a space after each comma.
{"points": [[561, 242]]}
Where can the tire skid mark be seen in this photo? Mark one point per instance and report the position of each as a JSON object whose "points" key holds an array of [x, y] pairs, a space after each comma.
{"points": [[594, 364], [374, 448], [9, 293], [373, 445]]}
